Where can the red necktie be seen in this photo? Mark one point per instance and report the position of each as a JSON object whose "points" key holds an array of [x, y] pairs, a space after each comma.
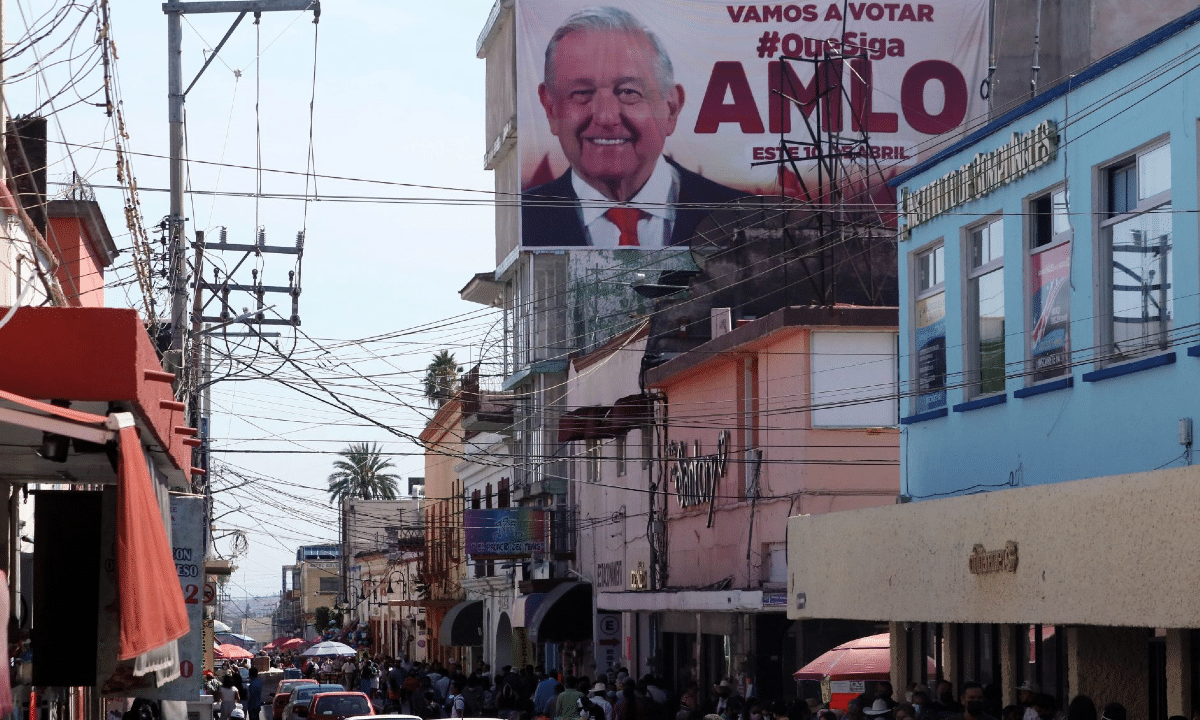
{"points": [[626, 220]]}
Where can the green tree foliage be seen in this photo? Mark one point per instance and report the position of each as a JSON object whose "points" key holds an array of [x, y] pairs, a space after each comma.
{"points": [[441, 378], [362, 472], [325, 619]]}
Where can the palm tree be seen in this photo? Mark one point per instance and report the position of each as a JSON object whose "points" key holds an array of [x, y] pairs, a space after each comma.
{"points": [[441, 378], [362, 473]]}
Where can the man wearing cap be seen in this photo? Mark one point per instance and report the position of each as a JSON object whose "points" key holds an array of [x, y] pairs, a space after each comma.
{"points": [[1027, 691], [599, 697], [724, 692], [878, 709]]}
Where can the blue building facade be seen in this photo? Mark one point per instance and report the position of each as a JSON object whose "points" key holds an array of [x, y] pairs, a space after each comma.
{"points": [[1050, 282], [1049, 270]]}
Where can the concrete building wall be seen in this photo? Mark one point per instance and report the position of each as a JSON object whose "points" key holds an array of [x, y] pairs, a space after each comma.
{"points": [[1085, 554], [761, 393], [1110, 665], [615, 508]]}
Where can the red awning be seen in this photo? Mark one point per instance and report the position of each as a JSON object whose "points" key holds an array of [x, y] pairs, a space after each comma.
{"points": [[631, 412], [55, 419], [152, 608], [585, 423]]}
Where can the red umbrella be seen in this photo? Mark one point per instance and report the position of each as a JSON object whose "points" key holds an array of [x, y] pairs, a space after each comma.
{"points": [[276, 643], [867, 658], [231, 652], [293, 644], [862, 659]]}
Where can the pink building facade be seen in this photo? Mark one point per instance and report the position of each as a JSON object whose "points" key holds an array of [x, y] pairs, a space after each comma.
{"points": [[793, 413]]}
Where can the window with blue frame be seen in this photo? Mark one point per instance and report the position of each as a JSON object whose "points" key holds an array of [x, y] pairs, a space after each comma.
{"points": [[1137, 304], [929, 326], [1048, 287], [985, 302]]}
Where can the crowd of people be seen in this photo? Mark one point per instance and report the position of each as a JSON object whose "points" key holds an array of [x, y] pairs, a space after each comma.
{"points": [[974, 702], [434, 691]]}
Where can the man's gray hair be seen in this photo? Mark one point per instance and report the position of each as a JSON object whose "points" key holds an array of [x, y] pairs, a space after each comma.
{"points": [[595, 18]]}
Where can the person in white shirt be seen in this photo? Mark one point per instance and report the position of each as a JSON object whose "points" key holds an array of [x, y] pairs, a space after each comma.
{"points": [[599, 697]]}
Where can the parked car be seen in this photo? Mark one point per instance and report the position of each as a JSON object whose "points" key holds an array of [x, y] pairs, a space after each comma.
{"points": [[302, 695], [339, 706], [284, 692]]}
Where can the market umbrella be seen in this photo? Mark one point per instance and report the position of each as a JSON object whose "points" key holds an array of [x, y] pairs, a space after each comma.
{"points": [[293, 644], [329, 648], [867, 658], [229, 651], [864, 658], [277, 643]]}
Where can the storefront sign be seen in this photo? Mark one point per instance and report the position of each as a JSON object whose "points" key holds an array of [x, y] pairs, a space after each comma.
{"points": [[696, 478], [985, 562], [610, 574], [505, 532], [774, 599], [985, 174]]}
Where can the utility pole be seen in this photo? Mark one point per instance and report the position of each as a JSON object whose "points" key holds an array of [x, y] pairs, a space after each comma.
{"points": [[176, 94]]}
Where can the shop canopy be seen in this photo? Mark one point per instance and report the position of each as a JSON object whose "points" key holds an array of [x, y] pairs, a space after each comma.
{"points": [[867, 658], [556, 618], [463, 625], [229, 651], [152, 609]]}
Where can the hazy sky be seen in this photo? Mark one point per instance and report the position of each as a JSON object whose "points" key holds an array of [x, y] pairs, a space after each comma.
{"points": [[399, 98]]}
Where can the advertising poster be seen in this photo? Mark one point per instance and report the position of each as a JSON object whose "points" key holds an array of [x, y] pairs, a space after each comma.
{"points": [[1050, 312], [655, 112], [931, 353], [117, 678], [505, 532]]}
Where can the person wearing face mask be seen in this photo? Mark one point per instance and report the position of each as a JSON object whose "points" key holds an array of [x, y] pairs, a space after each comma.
{"points": [[973, 702]]}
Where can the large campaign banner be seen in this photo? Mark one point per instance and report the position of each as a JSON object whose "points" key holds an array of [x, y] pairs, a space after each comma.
{"points": [[661, 108]]}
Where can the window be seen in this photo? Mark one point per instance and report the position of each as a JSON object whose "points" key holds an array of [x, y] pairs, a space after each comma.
{"points": [[591, 456], [1137, 303], [853, 379], [330, 584], [984, 334], [502, 493], [775, 564], [619, 448], [647, 433], [930, 330], [1048, 349]]}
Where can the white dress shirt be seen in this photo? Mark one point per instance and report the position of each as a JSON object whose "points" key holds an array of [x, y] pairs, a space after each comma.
{"points": [[657, 199]]}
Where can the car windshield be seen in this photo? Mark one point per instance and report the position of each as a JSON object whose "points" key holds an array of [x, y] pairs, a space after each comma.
{"points": [[304, 693], [289, 685], [342, 706]]}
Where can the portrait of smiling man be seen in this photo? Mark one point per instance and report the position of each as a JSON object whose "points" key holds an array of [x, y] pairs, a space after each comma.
{"points": [[611, 99]]}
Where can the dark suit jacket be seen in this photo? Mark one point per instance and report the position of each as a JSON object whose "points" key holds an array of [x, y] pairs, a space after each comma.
{"points": [[553, 218]]}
